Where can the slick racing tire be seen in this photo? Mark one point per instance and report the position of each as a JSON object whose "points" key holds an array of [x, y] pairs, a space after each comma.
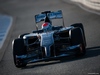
{"points": [[80, 25], [21, 36], [77, 38], [18, 49]]}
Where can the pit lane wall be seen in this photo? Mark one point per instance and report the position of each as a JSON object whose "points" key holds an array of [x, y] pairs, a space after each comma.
{"points": [[88, 5]]}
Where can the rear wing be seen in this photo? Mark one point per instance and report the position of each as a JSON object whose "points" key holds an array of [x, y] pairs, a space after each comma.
{"points": [[51, 15]]}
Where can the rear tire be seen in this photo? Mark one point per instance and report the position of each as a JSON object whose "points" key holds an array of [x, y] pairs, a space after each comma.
{"points": [[77, 38], [18, 49]]}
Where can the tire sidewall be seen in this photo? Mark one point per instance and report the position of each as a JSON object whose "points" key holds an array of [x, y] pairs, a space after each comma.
{"points": [[18, 49]]}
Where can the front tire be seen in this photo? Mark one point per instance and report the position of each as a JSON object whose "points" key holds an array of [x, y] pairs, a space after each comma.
{"points": [[77, 38], [80, 25], [21, 36], [18, 49]]}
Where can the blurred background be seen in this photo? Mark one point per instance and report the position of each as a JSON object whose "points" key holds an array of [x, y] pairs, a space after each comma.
{"points": [[88, 5], [17, 17]]}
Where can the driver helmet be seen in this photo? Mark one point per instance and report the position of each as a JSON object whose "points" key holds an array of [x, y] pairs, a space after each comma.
{"points": [[46, 26]]}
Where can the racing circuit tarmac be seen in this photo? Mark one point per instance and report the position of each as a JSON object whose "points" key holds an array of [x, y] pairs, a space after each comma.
{"points": [[23, 12]]}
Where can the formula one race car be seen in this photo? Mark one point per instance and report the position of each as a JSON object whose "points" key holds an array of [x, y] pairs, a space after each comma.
{"points": [[49, 42]]}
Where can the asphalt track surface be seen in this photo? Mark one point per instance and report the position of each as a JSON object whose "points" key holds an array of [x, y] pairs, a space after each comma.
{"points": [[23, 12]]}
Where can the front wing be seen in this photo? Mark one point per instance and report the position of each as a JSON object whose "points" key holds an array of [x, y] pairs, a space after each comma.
{"points": [[30, 58]]}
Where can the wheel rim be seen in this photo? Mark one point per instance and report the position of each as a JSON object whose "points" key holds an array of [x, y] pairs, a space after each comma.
{"points": [[81, 48]]}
